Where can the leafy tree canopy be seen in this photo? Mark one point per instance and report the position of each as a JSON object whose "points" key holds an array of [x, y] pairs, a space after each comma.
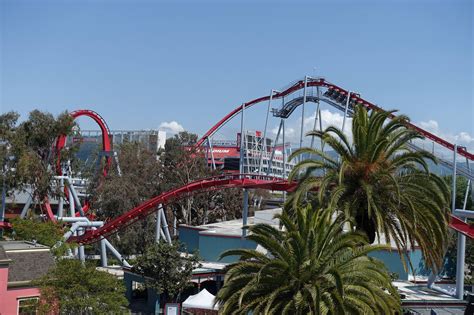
{"points": [[76, 289], [26, 149], [309, 267], [165, 269], [379, 183], [46, 233]]}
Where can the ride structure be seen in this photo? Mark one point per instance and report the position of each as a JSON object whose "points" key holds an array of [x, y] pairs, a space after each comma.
{"points": [[314, 90]]}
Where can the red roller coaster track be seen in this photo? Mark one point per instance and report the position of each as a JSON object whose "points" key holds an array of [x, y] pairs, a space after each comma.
{"points": [[61, 142], [106, 146], [208, 184], [323, 83], [236, 180], [211, 184]]}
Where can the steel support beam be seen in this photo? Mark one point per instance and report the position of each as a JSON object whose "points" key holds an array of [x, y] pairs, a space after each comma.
{"points": [[72, 191], [242, 116], [27, 205], [316, 116], [61, 199], [164, 223], [270, 162], [103, 253], [245, 212], [302, 110], [264, 145], [461, 242], [209, 142], [158, 225], [346, 108]]}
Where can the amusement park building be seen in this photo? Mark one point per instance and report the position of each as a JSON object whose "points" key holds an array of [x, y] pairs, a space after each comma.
{"points": [[20, 263], [153, 140], [259, 155]]}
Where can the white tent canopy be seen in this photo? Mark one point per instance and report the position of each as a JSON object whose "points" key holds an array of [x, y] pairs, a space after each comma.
{"points": [[202, 300]]}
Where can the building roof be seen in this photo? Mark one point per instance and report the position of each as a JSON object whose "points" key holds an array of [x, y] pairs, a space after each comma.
{"points": [[29, 261], [3, 255], [233, 228], [421, 300]]}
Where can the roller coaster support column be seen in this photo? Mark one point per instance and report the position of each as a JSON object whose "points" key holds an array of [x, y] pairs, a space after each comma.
{"points": [[346, 109], [302, 110], [209, 143], [103, 253], [61, 200], [82, 256], [264, 145], [164, 224], [241, 166], [119, 171], [27, 205], [73, 192], [461, 243], [274, 148], [283, 149], [316, 115], [158, 225], [245, 212]]}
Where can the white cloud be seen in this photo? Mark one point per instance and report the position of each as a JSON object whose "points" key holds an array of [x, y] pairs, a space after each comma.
{"points": [[328, 118], [171, 127], [462, 138]]}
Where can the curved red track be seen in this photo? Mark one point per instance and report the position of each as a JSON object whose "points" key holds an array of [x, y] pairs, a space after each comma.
{"points": [[208, 184], [106, 146], [323, 83], [237, 180], [61, 142]]}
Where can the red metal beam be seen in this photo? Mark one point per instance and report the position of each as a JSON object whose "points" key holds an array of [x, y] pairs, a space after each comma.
{"points": [[106, 145], [323, 83], [461, 226], [213, 183]]}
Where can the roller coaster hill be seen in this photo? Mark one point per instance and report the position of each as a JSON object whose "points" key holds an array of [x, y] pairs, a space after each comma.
{"points": [[72, 209]]}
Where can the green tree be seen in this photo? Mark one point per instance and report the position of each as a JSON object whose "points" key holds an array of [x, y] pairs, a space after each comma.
{"points": [[184, 163], [165, 270], [27, 150], [46, 233], [72, 288], [311, 267], [380, 183], [140, 180]]}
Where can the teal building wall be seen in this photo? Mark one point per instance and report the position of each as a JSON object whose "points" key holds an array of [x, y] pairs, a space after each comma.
{"points": [[210, 246]]}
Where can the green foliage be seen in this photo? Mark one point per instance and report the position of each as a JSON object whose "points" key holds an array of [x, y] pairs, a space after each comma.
{"points": [[46, 233], [184, 163], [27, 149], [311, 267], [140, 181], [461, 187], [379, 183], [165, 269], [72, 288]]}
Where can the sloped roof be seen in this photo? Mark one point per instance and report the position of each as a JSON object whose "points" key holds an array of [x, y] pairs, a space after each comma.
{"points": [[202, 300], [28, 261]]}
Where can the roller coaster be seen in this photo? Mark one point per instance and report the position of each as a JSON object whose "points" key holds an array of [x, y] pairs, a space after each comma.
{"points": [[314, 90]]}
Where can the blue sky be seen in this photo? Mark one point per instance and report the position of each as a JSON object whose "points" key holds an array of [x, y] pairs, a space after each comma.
{"points": [[142, 63]]}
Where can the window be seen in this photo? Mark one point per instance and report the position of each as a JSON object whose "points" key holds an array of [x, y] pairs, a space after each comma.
{"points": [[28, 306]]}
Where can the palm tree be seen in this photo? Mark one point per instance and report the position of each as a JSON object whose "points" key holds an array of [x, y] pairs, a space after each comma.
{"points": [[311, 267], [380, 183]]}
